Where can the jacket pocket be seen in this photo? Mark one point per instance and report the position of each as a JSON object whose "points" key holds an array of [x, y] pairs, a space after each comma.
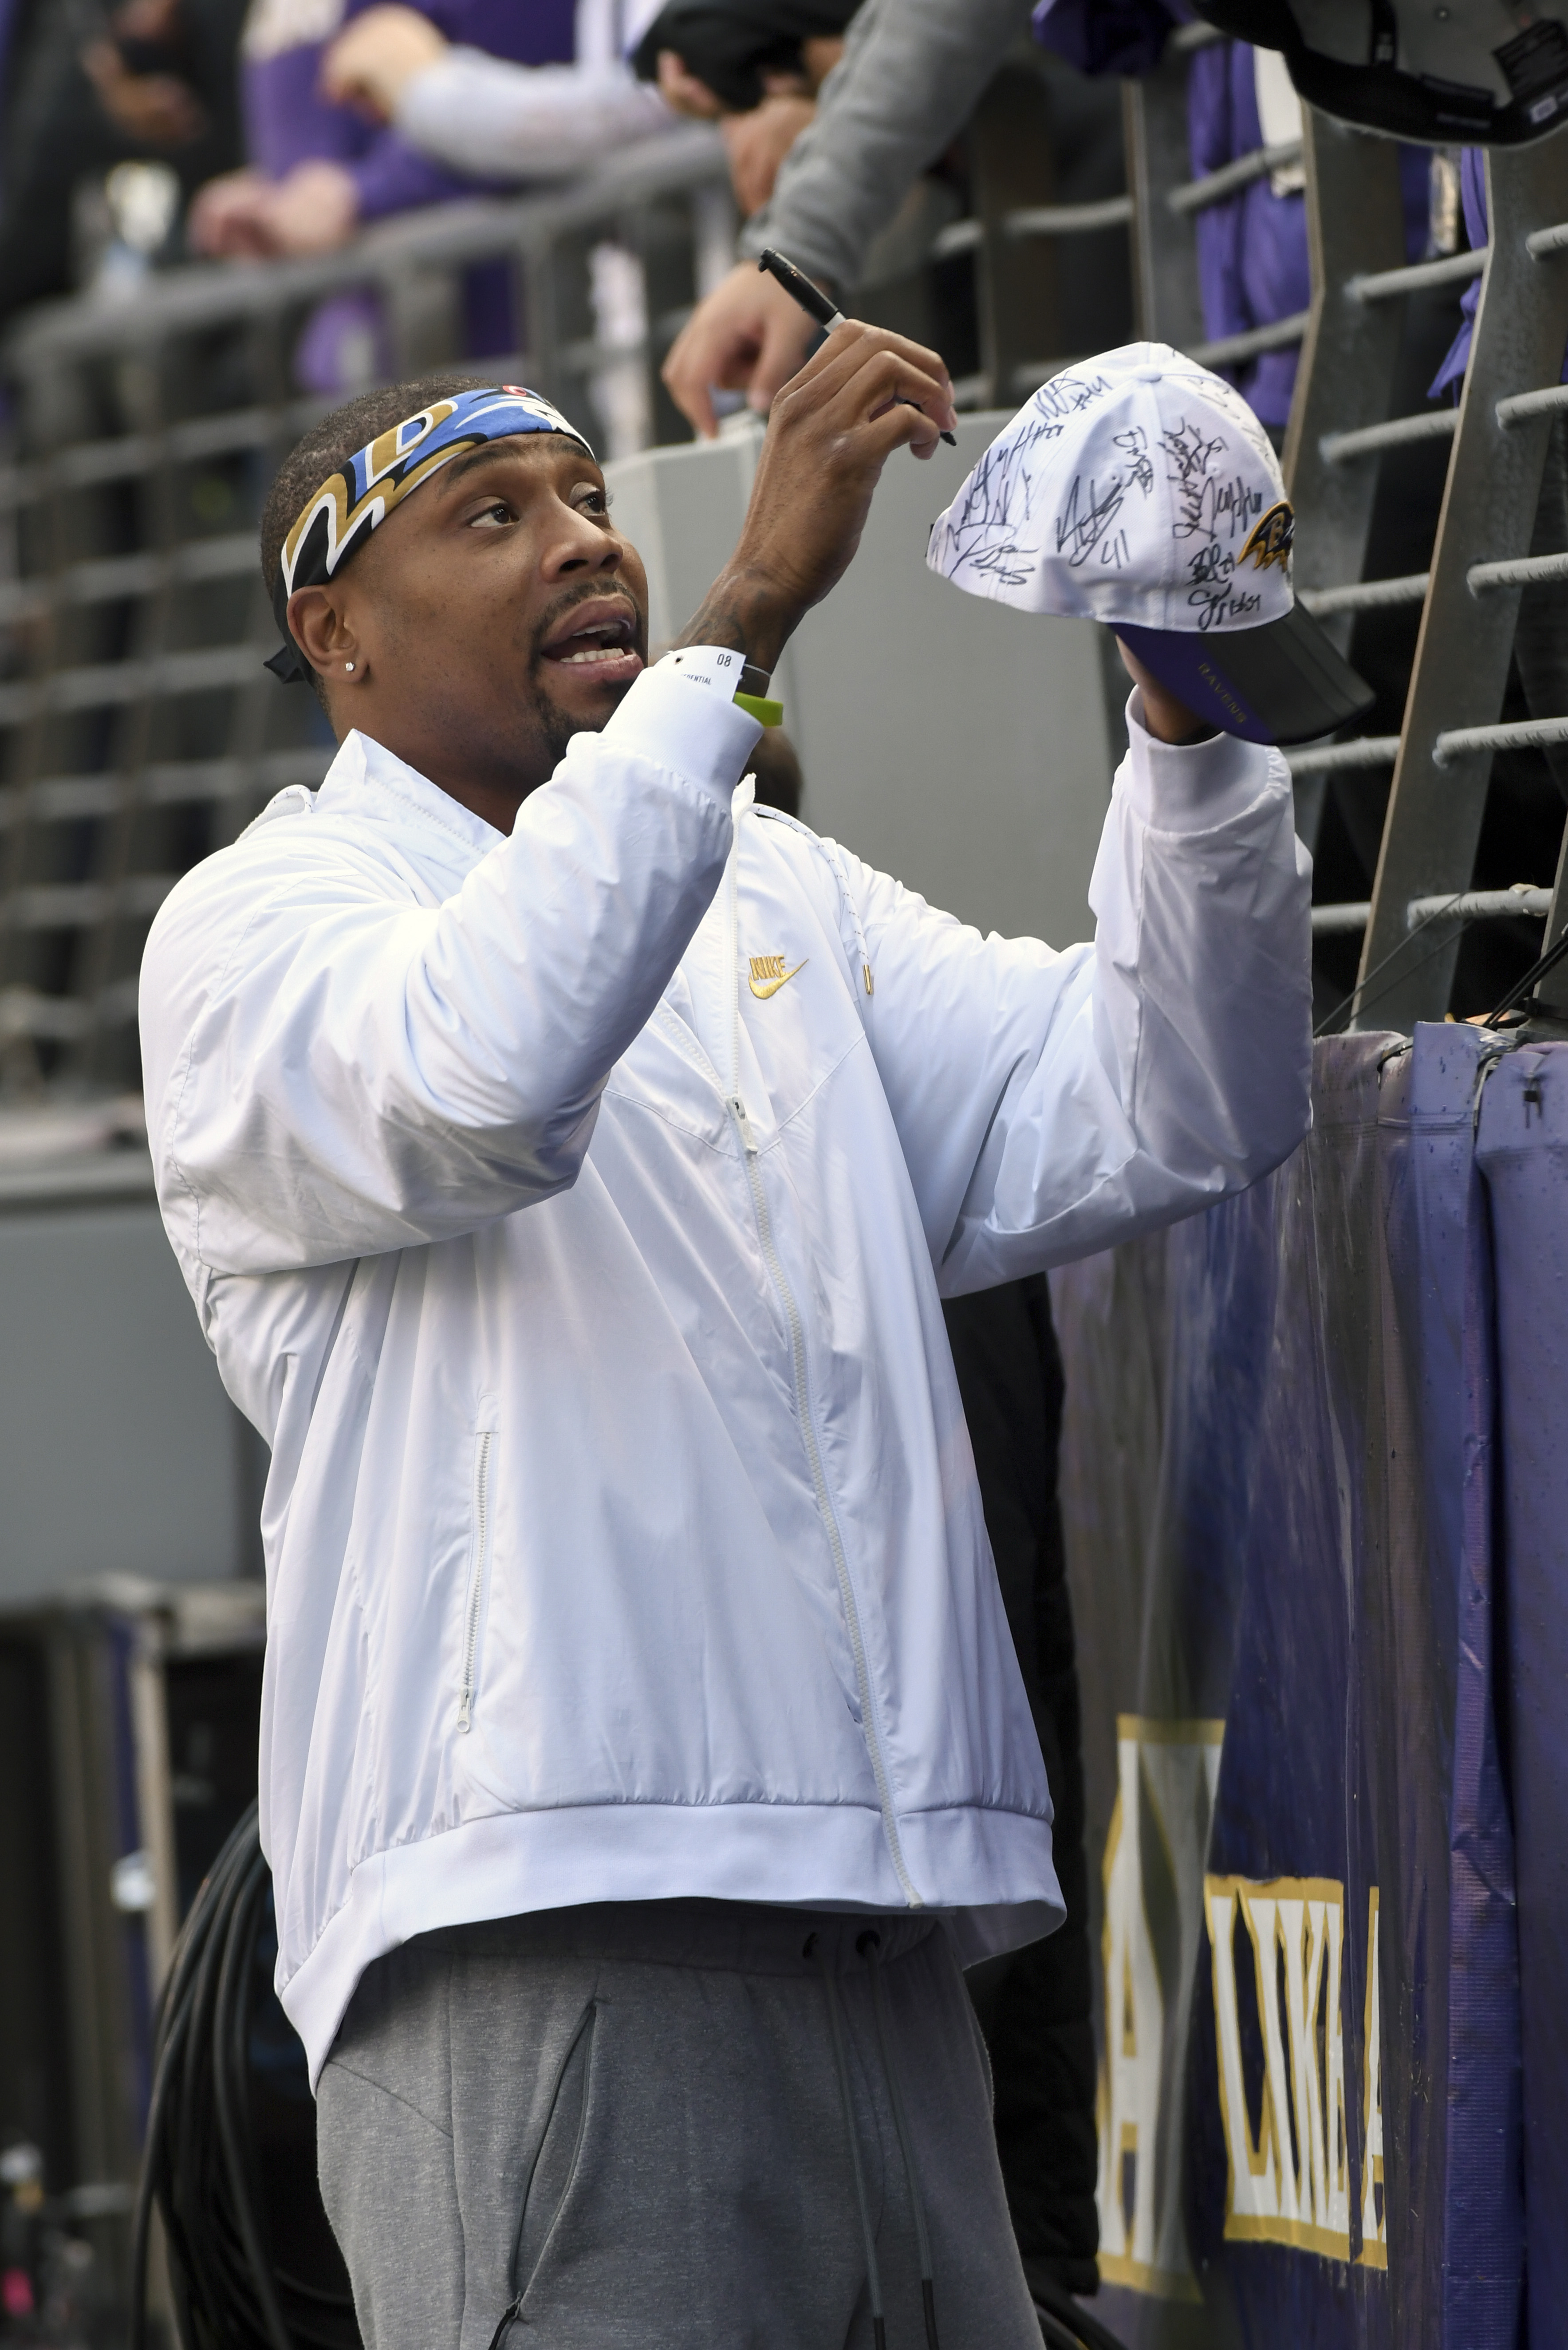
{"points": [[480, 1541], [554, 2169]]}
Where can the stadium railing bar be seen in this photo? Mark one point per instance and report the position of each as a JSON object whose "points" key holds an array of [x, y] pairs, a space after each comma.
{"points": [[138, 728]]}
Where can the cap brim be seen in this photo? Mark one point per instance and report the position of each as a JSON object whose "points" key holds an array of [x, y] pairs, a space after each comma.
{"points": [[1284, 682]]}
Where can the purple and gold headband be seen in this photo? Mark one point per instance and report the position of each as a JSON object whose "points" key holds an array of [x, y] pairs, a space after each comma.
{"points": [[339, 516]]}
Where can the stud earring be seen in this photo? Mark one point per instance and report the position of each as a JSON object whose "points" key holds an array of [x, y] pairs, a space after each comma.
{"points": [[349, 665]]}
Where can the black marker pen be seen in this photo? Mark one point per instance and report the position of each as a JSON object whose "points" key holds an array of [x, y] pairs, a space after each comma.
{"points": [[815, 304]]}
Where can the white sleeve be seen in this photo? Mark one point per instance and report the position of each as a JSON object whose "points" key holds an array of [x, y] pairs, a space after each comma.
{"points": [[336, 1066], [493, 119], [1051, 1103]]}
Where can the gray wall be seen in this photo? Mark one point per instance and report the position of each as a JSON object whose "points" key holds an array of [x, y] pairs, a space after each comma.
{"points": [[962, 746], [119, 1452]]}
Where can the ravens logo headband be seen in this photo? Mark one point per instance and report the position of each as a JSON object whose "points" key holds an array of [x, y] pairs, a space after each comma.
{"points": [[339, 516]]}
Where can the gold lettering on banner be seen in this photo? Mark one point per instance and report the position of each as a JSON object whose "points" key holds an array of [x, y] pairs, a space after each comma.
{"points": [[1165, 1776], [1288, 2175], [1373, 2202]]}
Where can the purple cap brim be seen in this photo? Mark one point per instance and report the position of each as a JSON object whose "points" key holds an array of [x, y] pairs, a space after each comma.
{"points": [[1284, 682]]}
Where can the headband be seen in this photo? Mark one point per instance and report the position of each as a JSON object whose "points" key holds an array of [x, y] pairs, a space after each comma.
{"points": [[339, 516]]}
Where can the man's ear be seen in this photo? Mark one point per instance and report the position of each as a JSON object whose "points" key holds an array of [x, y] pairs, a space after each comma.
{"points": [[324, 635]]}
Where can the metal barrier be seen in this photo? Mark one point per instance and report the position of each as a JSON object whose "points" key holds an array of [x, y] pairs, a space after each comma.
{"points": [[1340, 431], [1451, 728], [137, 729]]}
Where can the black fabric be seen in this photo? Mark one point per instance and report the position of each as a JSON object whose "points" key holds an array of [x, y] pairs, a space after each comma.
{"points": [[730, 47], [1377, 96], [1035, 2005], [288, 665]]}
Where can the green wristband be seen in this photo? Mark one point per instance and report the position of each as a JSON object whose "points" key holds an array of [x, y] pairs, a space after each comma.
{"points": [[768, 713]]}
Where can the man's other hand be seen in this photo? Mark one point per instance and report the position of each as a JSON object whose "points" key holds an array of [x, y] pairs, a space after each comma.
{"points": [[749, 336], [865, 393], [1167, 719]]}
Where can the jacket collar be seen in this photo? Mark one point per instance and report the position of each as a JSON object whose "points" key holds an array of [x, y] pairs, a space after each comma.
{"points": [[365, 774]]}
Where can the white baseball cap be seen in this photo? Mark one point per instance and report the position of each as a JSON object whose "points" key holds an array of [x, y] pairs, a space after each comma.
{"points": [[1138, 489]]}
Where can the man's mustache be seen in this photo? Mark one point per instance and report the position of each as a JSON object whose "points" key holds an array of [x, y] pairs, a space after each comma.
{"points": [[551, 621]]}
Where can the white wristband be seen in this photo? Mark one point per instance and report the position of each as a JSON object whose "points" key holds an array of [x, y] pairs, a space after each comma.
{"points": [[716, 667]]}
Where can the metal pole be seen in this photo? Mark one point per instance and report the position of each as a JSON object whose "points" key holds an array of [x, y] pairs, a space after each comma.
{"points": [[1462, 654], [1354, 219]]}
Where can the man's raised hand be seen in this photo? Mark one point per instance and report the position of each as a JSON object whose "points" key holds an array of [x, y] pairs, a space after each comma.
{"points": [[832, 430]]}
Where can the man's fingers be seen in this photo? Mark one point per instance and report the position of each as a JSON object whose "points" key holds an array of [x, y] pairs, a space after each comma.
{"points": [[879, 364], [778, 361], [899, 426], [854, 336], [867, 374]]}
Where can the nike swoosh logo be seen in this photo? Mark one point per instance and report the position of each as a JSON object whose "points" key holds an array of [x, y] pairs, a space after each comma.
{"points": [[772, 986]]}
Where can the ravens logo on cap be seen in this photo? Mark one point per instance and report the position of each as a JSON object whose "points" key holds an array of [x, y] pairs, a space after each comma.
{"points": [[1271, 539]]}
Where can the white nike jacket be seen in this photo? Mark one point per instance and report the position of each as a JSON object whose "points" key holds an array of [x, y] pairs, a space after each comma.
{"points": [[571, 1221]]}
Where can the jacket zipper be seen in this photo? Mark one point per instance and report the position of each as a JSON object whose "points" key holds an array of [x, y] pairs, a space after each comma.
{"points": [[737, 1109], [779, 1279], [476, 1584]]}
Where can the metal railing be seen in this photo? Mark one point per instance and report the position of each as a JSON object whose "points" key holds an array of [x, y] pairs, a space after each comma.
{"points": [[1481, 563], [1526, 900], [1340, 432], [1230, 179], [138, 728]]}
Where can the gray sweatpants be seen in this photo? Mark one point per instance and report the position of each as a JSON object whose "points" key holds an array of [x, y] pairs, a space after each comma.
{"points": [[627, 2127]]}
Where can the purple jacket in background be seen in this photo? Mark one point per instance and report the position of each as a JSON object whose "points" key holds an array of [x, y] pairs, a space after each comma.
{"points": [[1472, 189], [1101, 36], [1253, 261], [287, 121], [1252, 264]]}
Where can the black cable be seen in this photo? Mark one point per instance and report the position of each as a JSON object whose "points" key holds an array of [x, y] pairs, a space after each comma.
{"points": [[201, 2166], [1530, 983], [1516, 994], [1346, 1002], [1066, 2324], [232, 2034]]}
